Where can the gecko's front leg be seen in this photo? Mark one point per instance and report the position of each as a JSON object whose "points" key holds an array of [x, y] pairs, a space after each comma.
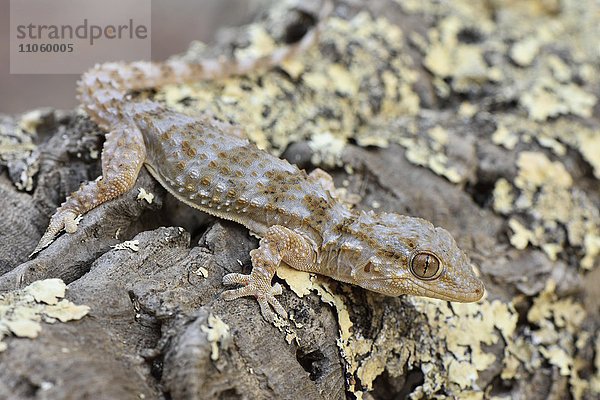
{"points": [[278, 244], [123, 155]]}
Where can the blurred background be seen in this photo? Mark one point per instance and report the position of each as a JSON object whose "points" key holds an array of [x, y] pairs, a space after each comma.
{"points": [[175, 23]]}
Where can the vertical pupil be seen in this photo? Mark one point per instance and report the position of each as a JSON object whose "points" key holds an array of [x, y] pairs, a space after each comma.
{"points": [[426, 265]]}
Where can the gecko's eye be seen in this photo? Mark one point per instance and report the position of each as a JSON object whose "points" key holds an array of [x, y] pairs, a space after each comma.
{"points": [[425, 265]]}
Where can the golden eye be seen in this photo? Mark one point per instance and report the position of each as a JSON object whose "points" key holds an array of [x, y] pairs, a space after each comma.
{"points": [[425, 265]]}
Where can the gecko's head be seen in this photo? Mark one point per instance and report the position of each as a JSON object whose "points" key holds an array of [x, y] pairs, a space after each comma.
{"points": [[411, 256]]}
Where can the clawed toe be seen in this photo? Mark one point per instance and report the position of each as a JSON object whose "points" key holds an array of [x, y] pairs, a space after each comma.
{"points": [[236, 293], [236, 279], [260, 289], [62, 220], [276, 289]]}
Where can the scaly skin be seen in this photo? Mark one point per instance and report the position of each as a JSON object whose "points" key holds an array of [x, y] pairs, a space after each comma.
{"points": [[207, 165]]}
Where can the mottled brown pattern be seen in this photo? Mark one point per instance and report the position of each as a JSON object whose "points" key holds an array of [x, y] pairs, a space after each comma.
{"points": [[207, 165]]}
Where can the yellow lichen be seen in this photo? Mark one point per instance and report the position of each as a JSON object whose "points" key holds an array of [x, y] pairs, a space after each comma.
{"points": [[48, 291], [327, 149], [521, 236], [429, 151], [588, 143], [446, 57], [201, 271], [458, 331], [592, 250], [559, 321], [325, 99], [504, 137], [217, 333], [143, 195], [503, 196], [300, 282], [467, 110], [21, 311], [535, 170], [549, 98], [133, 245], [525, 51], [554, 337], [30, 121], [548, 200]]}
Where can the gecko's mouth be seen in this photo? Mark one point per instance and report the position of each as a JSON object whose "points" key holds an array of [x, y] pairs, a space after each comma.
{"points": [[424, 290], [457, 296]]}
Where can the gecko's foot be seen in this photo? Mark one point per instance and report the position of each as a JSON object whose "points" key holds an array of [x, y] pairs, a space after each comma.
{"points": [[259, 287], [62, 219]]}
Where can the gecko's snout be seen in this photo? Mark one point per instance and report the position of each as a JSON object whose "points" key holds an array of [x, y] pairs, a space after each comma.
{"points": [[476, 294], [473, 290]]}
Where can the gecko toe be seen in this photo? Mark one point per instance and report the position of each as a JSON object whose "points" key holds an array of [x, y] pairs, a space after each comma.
{"points": [[265, 310], [276, 290], [236, 293], [61, 220], [266, 302], [258, 287], [236, 279], [277, 306]]}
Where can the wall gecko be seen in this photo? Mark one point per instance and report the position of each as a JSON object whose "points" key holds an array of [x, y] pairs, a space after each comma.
{"points": [[207, 165]]}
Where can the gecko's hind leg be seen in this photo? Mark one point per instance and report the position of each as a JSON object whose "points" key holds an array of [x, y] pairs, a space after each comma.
{"points": [[122, 157], [278, 244]]}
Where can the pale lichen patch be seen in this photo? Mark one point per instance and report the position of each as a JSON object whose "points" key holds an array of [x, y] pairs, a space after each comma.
{"points": [[327, 149], [457, 332], [544, 196], [535, 170], [18, 150], [503, 196], [592, 250], [447, 57], [429, 151], [48, 291], [22, 311], [503, 136], [588, 143], [302, 283], [144, 195], [217, 333], [30, 121], [330, 98], [550, 98], [201, 271], [524, 51], [133, 245], [555, 337], [65, 311]]}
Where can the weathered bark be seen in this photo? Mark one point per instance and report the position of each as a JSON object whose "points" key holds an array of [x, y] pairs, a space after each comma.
{"points": [[146, 332]]}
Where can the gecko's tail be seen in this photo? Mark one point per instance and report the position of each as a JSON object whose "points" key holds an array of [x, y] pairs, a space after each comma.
{"points": [[103, 88], [223, 67]]}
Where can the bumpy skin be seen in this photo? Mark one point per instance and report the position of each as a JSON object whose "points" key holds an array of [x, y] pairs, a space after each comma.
{"points": [[207, 165]]}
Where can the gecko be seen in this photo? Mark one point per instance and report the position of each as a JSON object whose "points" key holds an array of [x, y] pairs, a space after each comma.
{"points": [[209, 166]]}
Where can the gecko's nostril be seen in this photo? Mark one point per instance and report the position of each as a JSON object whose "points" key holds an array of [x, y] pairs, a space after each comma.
{"points": [[479, 293]]}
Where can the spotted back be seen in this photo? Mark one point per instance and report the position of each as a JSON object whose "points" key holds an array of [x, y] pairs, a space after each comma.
{"points": [[204, 165]]}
